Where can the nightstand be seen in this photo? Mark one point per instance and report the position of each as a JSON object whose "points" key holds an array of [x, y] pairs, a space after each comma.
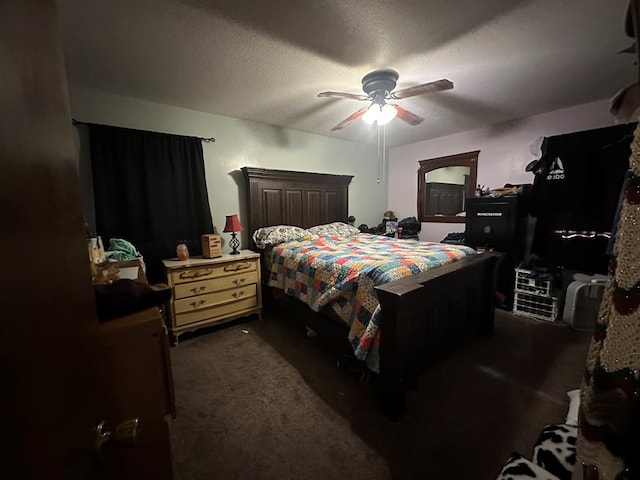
{"points": [[208, 291]]}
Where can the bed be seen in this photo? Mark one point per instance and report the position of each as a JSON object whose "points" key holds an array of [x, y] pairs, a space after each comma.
{"points": [[421, 317]]}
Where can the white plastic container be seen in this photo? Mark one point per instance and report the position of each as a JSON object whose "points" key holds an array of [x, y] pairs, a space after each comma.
{"points": [[582, 301]]}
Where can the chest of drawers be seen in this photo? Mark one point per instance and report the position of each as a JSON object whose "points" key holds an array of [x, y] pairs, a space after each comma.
{"points": [[207, 291]]}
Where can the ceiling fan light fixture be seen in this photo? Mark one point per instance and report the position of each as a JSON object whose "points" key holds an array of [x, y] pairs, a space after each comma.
{"points": [[371, 114], [378, 87], [387, 113], [382, 114]]}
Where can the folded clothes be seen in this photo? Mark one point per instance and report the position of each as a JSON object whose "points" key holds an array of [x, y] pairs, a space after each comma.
{"points": [[122, 250]]}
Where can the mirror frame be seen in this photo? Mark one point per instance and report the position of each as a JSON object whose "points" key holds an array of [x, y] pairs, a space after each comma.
{"points": [[468, 159]]}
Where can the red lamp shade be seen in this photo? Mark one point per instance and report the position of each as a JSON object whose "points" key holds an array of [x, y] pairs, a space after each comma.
{"points": [[232, 224]]}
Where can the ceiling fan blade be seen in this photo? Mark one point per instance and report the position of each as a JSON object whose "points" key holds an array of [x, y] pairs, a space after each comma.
{"points": [[352, 96], [354, 116], [437, 86], [406, 116]]}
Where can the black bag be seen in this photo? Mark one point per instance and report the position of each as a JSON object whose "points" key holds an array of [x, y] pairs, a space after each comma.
{"points": [[410, 225]]}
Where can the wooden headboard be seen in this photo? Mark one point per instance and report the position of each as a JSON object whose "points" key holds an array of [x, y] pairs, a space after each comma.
{"points": [[303, 199]]}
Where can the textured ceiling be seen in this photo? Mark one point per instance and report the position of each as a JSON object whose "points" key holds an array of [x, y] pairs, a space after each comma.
{"points": [[267, 61]]}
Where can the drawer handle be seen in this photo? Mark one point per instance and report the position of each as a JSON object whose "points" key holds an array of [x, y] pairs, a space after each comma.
{"points": [[197, 304], [237, 267], [196, 274], [198, 289], [239, 281], [238, 294]]}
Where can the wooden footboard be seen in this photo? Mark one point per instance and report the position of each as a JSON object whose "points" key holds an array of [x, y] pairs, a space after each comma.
{"points": [[426, 315], [423, 317]]}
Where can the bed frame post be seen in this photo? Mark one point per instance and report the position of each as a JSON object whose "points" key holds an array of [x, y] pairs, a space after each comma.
{"points": [[398, 308], [420, 324]]}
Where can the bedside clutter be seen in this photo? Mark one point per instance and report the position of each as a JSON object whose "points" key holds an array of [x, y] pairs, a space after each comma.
{"points": [[121, 288], [410, 227], [211, 246], [407, 228]]}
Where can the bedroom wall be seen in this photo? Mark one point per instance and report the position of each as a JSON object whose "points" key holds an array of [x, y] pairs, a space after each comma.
{"points": [[505, 150], [238, 144]]}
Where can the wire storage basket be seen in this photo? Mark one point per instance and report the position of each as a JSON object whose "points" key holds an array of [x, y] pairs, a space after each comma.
{"points": [[534, 297]]}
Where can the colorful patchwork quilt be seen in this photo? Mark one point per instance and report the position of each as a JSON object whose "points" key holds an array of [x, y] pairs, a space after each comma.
{"points": [[342, 272]]}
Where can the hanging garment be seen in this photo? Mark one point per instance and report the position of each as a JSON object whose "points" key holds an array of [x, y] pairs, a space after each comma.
{"points": [[576, 188], [609, 423]]}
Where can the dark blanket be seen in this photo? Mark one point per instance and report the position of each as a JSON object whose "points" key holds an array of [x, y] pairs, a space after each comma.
{"points": [[125, 296]]}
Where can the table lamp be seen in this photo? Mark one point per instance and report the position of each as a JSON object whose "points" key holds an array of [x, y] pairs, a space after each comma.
{"points": [[232, 226]]}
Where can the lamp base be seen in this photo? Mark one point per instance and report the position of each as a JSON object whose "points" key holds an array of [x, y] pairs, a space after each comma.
{"points": [[234, 243]]}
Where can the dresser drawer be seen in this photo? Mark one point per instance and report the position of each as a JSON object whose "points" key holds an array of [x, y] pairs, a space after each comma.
{"points": [[214, 312], [212, 271], [199, 302], [190, 289], [207, 291]]}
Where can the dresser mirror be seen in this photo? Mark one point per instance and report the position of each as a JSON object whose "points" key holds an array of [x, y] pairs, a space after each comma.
{"points": [[444, 184]]}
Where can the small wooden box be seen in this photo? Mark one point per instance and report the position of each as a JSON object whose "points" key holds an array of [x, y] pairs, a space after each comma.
{"points": [[211, 246]]}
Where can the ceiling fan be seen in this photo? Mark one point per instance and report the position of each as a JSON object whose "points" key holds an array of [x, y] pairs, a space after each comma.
{"points": [[378, 87]]}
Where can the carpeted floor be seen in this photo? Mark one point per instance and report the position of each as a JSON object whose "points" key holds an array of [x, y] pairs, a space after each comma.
{"points": [[261, 400]]}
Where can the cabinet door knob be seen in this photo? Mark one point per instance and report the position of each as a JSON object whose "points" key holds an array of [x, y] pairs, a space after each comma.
{"points": [[124, 435]]}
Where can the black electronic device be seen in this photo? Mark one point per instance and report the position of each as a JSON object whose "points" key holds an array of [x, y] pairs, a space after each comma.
{"points": [[500, 224], [492, 223]]}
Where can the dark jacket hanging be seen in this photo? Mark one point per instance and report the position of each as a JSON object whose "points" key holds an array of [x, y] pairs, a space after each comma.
{"points": [[576, 188]]}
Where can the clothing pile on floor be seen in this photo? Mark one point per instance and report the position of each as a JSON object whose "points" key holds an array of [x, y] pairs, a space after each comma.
{"points": [[554, 453], [554, 456]]}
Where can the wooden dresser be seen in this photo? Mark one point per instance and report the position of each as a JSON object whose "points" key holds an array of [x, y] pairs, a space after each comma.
{"points": [[207, 291], [135, 378]]}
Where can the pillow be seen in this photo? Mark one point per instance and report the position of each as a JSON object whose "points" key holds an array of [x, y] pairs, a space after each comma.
{"points": [[270, 236], [574, 406], [335, 229], [519, 467]]}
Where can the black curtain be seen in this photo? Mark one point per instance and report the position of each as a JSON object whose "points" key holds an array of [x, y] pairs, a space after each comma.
{"points": [[149, 189]]}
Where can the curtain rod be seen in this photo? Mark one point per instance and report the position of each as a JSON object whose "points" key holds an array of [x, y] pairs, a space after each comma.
{"points": [[204, 139]]}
